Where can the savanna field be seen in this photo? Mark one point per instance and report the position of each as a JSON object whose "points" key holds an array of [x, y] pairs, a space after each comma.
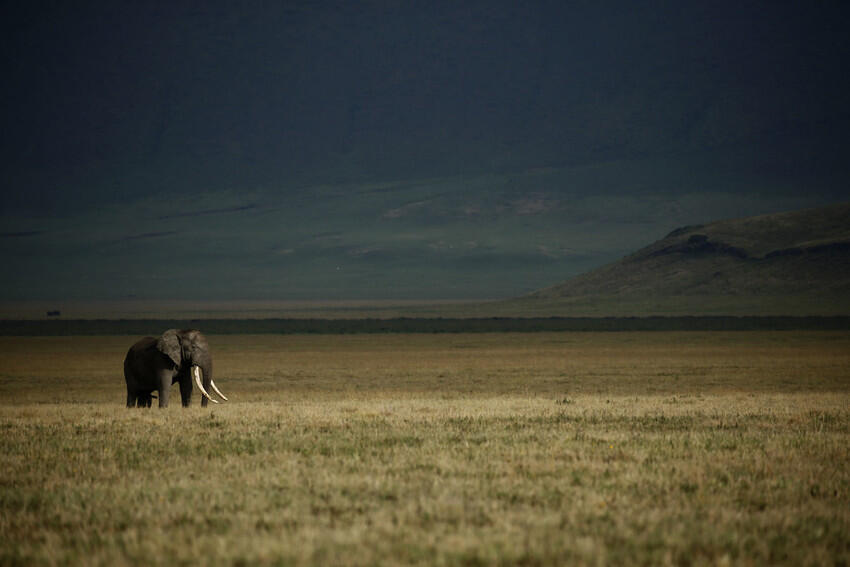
{"points": [[691, 448]]}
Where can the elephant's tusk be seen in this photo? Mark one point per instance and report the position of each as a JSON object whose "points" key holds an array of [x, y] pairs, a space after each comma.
{"points": [[196, 372], [216, 390]]}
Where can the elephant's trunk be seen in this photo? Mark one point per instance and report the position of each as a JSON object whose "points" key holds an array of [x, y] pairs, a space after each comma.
{"points": [[196, 373]]}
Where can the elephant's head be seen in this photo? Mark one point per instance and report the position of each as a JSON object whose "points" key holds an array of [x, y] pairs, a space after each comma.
{"points": [[183, 347], [188, 349]]}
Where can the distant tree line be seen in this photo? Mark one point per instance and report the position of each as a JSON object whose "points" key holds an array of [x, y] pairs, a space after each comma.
{"points": [[419, 325]]}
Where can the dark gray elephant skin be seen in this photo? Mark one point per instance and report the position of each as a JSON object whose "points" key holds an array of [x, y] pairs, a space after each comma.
{"points": [[153, 364]]}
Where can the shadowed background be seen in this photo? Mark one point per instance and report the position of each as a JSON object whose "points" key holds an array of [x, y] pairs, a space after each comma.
{"points": [[371, 151]]}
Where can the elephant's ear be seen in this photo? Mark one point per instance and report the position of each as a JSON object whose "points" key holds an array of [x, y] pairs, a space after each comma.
{"points": [[169, 345]]}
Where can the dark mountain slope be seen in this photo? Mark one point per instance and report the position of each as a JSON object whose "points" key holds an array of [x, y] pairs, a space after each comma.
{"points": [[793, 262]]}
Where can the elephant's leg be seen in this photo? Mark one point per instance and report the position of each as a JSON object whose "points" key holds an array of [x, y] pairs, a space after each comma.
{"points": [[164, 387], [185, 391], [132, 391]]}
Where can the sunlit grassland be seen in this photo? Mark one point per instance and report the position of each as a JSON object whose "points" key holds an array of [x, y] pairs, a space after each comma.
{"points": [[551, 448]]}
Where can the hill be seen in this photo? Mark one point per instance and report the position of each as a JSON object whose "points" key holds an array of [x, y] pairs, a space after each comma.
{"points": [[788, 263], [468, 237]]}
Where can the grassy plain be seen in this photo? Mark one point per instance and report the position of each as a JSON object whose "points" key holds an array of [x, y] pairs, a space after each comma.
{"points": [[486, 449]]}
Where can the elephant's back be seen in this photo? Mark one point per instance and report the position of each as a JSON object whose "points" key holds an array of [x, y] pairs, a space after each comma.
{"points": [[142, 345]]}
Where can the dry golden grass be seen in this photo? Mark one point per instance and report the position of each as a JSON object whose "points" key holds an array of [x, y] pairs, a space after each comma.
{"points": [[533, 449]]}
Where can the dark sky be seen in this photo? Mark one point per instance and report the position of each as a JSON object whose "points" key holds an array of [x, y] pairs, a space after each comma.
{"points": [[115, 103]]}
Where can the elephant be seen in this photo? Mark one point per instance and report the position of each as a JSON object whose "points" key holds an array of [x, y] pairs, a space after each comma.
{"points": [[153, 364]]}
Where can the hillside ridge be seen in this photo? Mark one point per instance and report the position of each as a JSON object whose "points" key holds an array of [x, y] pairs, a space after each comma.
{"points": [[793, 255]]}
